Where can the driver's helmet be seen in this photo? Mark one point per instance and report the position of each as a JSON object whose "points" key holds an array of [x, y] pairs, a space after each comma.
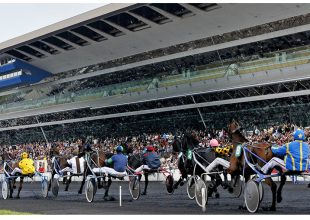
{"points": [[119, 149], [214, 143], [24, 155], [299, 135]]}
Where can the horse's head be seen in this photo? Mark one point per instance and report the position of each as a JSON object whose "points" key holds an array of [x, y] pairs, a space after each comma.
{"points": [[135, 160], [190, 140], [7, 156], [54, 151], [128, 150], [233, 127]]}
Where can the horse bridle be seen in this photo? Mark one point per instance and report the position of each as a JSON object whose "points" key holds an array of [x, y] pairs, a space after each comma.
{"points": [[236, 129]]}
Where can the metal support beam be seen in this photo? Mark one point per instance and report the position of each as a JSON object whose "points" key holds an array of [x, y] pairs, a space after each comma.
{"points": [[105, 35], [42, 130], [204, 124], [122, 29], [144, 20], [89, 40], [164, 13]]}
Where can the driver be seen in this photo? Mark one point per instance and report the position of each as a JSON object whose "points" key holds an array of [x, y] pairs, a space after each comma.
{"points": [[295, 155], [25, 166]]}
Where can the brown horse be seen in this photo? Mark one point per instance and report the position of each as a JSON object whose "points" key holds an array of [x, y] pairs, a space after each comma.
{"points": [[11, 164], [263, 151]]}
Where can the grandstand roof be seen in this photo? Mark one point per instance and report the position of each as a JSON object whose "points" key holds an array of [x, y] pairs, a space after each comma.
{"points": [[119, 30]]}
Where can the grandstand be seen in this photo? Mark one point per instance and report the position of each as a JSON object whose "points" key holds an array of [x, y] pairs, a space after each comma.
{"points": [[127, 69]]}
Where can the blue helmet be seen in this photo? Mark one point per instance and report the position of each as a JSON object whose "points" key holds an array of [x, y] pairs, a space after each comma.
{"points": [[119, 149], [299, 135]]}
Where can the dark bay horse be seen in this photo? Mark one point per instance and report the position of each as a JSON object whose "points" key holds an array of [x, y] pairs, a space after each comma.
{"points": [[263, 151], [187, 167], [135, 161], [57, 165], [96, 160], [12, 164]]}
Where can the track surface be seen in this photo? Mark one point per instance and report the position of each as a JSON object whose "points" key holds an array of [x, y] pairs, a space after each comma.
{"points": [[295, 201]]}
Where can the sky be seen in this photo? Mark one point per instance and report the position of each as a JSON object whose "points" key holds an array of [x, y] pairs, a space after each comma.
{"points": [[21, 18], [18, 19]]}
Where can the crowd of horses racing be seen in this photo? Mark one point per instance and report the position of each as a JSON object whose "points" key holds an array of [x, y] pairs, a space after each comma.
{"points": [[201, 182]]}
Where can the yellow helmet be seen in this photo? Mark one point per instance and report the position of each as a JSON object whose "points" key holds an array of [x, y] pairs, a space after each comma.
{"points": [[24, 155]]}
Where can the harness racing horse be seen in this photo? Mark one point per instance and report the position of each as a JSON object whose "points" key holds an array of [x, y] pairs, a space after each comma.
{"points": [[97, 159], [135, 161], [60, 162], [262, 150], [8, 157], [204, 156]]}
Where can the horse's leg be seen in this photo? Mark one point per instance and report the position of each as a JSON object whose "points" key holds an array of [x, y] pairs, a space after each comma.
{"points": [[21, 180], [175, 186], [273, 187], [14, 182], [11, 187], [68, 183], [106, 194], [279, 192], [218, 181], [146, 182], [225, 184], [99, 184], [82, 183], [51, 180]]}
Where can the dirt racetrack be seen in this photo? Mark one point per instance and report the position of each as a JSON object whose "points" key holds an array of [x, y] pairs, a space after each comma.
{"points": [[295, 201]]}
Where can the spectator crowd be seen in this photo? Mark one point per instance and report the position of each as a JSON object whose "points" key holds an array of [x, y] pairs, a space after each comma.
{"points": [[278, 135]]}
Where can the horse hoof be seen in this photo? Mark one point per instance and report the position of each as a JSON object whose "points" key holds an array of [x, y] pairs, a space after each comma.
{"points": [[182, 183], [109, 198], [14, 187], [224, 186], [144, 193], [241, 207], [230, 190], [309, 185], [279, 199], [79, 192], [272, 209], [66, 190], [17, 197], [217, 195]]}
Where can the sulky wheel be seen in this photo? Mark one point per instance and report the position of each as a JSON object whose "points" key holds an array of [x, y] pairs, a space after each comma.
{"points": [[237, 186], [55, 186], [191, 187], [260, 189], [44, 185], [5, 189], [134, 187], [199, 186], [251, 196], [90, 189], [169, 184]]}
